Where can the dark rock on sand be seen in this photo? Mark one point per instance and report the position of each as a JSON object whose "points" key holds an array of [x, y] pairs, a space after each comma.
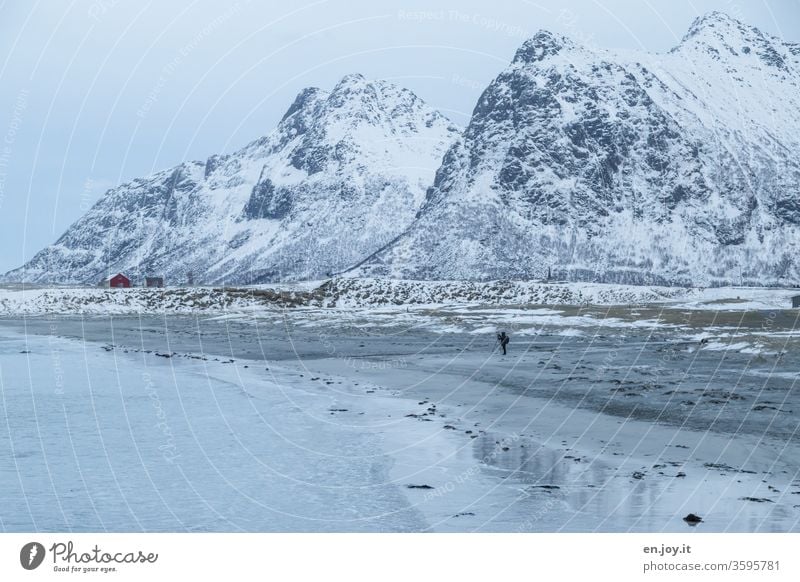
{"points": [[693, 519]]}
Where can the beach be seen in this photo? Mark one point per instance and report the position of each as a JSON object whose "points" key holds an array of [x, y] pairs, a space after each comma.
{"points": [[604, 418]]}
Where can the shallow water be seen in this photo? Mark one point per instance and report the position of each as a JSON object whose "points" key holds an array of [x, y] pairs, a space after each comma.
{"points": [[105, 441], [566, 491]]}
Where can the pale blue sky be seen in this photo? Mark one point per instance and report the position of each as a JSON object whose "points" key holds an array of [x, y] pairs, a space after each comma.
{"points": [[96, 92]]}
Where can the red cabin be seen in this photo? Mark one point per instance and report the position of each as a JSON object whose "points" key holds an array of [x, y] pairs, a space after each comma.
{"points": [[119, 280]]}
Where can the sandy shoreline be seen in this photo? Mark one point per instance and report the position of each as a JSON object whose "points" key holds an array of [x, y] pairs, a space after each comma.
{"points": [[479, 442], [605, 473]]}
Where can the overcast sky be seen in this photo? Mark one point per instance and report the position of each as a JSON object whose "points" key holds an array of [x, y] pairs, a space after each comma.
{"points": [[96, 92]]}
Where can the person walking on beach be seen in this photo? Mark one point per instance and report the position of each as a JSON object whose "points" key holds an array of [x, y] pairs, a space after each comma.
{"points": [[503, 339]]}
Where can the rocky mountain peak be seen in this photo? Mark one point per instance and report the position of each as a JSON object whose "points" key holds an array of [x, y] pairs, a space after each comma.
{"points": [[304, 98], [716, 21], [351, 81], [354, 89], [542, 45], [723, 37], [302, 114]]}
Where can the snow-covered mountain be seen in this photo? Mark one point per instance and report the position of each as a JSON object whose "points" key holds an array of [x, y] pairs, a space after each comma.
{"points": [[677, 168], [343, 173], [629, 167]]}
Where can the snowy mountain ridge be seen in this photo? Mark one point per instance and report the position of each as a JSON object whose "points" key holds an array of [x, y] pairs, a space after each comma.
{"points": [[671, 169], [610, 166], [340, 176]]}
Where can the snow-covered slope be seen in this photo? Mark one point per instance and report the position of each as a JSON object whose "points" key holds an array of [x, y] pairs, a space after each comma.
{"points": [[622, 167], [394, 296], [342, 174], [349, 293]]}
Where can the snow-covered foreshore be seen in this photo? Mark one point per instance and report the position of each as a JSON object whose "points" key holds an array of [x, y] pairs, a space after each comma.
{"points": [[105, 301], [344, 293]]}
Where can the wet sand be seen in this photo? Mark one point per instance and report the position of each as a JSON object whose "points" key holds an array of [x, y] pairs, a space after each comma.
{"points": [[625, 428]]}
